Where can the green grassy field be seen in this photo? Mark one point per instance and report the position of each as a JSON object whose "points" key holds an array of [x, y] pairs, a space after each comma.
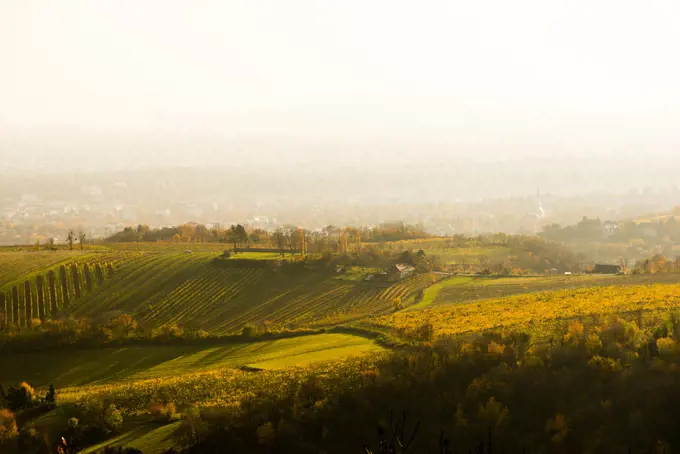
{"points": [[448, 253], [258, 256], [148, 437], [104, 366], [431, 294]]}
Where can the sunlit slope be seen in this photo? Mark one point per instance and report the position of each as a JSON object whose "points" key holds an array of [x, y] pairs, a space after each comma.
{"points": [[539, 311], [162, 288], [114, 364], [15, 267]]}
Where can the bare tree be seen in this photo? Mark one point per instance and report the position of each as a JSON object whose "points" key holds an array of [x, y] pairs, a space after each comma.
{"points": [[292, 239], [81, 239], [70, 238], [279, 238], [316, 239], [309, 238]]}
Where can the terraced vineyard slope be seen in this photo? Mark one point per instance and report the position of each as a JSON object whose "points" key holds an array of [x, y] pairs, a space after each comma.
{"points": [[196, 289]]}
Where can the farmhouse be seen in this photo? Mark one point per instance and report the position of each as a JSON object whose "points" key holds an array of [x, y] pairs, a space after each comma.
{"points": [[400, 271], [606, 269]]}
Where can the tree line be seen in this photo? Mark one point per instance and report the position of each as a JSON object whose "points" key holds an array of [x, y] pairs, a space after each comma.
{"points": [[239, 234], [619, 240]]}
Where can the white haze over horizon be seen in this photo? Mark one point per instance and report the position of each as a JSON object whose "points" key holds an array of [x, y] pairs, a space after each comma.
{"points": [[105, 84]]}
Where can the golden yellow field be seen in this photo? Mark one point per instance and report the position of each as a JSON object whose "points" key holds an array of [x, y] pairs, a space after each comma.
{"points": [[537, 308]]}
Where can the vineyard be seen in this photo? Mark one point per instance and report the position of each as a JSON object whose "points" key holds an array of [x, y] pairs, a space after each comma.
{"points": [[538, 310], [40, 286], [17, 265], [195, 290], [190, 289]]}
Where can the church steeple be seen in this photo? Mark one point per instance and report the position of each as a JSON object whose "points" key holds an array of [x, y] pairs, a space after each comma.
{"points": [[540, 212]]}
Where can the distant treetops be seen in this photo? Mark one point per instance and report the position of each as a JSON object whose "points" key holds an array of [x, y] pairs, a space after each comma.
{"points": [[239, 235]]}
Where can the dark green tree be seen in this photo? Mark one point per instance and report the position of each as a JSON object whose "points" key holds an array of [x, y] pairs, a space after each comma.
{"points": [[65, 299], [28, 304], [241, 235], [88, 278], [51, 395], [40, 296], [21, 397], [4, 319], [99, 273], [233, 235], [52, 286], [15, 304], [75, 278]]}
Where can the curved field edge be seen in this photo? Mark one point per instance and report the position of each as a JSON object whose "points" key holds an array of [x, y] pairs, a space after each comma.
{"points": [[95, 367], [146, 436]]}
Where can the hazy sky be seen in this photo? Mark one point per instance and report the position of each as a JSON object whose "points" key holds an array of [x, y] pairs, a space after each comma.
{"points": [[513, 75]]}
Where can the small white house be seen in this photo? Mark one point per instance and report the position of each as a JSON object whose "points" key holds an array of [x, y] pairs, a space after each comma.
{"points": [[400, 271]]}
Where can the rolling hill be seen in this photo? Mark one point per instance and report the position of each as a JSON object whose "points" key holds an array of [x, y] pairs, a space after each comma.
{"points": [[162, 288], [199, 289]]}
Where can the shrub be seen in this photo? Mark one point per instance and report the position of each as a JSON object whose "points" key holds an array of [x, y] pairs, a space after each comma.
{"points": [[496, 349], [169, 331], [396, 304], [50, 397], [249, 331], [29, 439], [266, 433], [8, 426], [162, 411], [113, 419], [21, 398], [326, 256], [97, 418], [666, 346], [192, 426]]}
